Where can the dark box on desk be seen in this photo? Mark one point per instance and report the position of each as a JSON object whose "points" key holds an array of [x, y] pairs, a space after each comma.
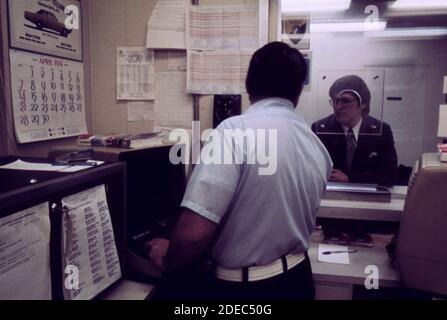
{"points": [[155, 189]]}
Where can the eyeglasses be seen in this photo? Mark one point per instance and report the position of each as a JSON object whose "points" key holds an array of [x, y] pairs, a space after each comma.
{"points": [[342, 101]]}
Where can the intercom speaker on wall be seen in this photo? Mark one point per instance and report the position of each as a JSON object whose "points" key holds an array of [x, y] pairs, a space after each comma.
{"points": [[226, 106]]}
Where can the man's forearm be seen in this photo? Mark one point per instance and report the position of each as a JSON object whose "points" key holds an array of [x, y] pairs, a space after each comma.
{"points": [[191, 237]]}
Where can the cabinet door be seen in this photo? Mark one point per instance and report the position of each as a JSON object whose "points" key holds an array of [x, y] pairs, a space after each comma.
{"points": [[332, 291]]}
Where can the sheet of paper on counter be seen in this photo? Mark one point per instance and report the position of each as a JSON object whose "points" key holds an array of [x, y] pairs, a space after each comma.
{"points": [[338, 258]]}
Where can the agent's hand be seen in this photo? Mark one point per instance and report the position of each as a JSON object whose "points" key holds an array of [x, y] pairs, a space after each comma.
{"points": [[156, 250], [338, 176]]}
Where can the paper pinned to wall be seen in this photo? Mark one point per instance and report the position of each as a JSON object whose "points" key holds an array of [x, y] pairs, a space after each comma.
{"points": [[176, 60], [88, 243], [264, 13], [217, 72], [173, 106], [223, 27], [442, 125], [307, 55], [135, 73], [445, 85], [166, 28], [25, 255], [141, 111]]}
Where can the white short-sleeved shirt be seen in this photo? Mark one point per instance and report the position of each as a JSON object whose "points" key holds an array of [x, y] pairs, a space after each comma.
{"points": [[262, 217]]}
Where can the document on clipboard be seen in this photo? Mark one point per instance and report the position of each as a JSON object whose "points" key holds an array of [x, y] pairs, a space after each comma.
{"points": [[25, 255], [89, 254]]}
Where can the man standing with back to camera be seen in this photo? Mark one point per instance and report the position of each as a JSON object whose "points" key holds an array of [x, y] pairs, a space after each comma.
{"points": [[254, 228]]}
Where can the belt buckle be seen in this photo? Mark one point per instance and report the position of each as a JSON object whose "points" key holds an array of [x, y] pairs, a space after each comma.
{"points": [[246, 270]]}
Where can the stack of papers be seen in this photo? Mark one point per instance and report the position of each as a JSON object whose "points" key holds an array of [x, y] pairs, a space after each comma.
{"points": [[29, 166], [357, 192], [442, 148]]}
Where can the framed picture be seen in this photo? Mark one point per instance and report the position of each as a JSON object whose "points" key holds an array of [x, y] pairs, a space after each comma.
{"points": [[295, 31], [48, 27], [308, 58]]}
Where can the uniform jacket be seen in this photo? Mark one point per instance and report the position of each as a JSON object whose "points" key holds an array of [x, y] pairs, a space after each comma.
{"points": [[375, 158]]}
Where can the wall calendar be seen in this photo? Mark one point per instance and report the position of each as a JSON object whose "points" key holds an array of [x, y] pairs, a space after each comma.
{"points": [[48, 97]]}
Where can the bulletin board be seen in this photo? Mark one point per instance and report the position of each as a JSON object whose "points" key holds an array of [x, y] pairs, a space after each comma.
{"points": [[49, 27], [47, 96]]}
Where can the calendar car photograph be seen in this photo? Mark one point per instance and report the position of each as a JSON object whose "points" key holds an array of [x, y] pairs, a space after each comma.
{"points": [[44, 19]]}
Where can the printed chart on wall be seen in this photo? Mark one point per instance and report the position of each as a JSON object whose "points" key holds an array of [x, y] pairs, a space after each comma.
{"points": [[135, 73], [49, 27], [173, 110], [88, 244], [47, 96], [167, 24], [222, 27], [217, 72], [220, 42]]}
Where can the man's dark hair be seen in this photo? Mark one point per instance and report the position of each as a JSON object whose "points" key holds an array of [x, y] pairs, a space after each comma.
{"points": [[276, 70]]}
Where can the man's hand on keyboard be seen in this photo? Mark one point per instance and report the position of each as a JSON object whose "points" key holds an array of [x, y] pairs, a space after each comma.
{"points": [[156, 250]]}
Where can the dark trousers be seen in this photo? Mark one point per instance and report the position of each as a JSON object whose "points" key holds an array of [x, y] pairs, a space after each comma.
{"points": [[196, 284]]}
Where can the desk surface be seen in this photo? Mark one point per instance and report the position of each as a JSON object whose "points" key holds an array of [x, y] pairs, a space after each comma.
{"points": [[354, 273], [128, 290], [362, 210], [107, 154], [365, 210]]}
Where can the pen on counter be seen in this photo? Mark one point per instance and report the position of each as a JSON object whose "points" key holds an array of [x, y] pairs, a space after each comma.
{"points": [[74, 163], [340, 251]]}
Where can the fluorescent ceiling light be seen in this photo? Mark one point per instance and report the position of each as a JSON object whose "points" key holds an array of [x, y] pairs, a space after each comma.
{"points": [[294, 6], [408, 33], [418, 4], [347, 26]]}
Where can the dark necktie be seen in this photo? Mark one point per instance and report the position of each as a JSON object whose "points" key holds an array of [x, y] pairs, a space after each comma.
{"points": [[351, 145]]}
